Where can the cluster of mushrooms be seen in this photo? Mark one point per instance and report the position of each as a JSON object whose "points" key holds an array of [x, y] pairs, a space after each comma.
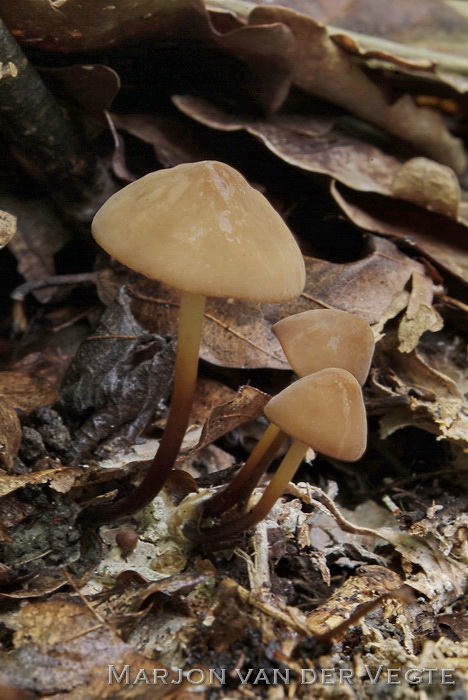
{"points": [[201, 228]]}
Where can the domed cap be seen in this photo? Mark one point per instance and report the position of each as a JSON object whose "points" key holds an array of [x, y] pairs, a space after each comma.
{"points": [[324, 410], [200, 227], [315, 340]]}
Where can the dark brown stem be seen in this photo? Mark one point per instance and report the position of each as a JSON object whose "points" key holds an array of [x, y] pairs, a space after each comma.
{"points": [[185, 378], [273, 491], [241, 487]]}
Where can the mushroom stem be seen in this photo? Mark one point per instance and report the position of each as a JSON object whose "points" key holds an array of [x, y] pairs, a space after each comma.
{"points": [[185, 378], [241, 487], [273, 491]]}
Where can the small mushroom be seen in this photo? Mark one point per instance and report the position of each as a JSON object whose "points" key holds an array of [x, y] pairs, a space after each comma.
{"points": [[312, 341], [324, 411], [199, 227], [126, 540], [321, 338]]}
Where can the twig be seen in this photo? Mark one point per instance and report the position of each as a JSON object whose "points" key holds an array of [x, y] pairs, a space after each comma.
{"points": [[43, 138]]}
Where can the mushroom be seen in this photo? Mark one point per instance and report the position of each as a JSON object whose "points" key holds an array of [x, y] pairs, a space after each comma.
{"points": [[321, 338], [312, 341], [199, 227], [324, 411]]}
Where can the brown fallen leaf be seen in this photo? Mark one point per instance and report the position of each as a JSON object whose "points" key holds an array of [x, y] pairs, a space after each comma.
{"points": [[93, 86], [25, 393], [10, 435], [19, 392], [235, 333], [209, 393], [399, 20], [36, 586], [7, 227], [314, 143], [115, 381], [246, 405], [324, 70], [434, 402], [318, 144], [61, 479], [39, 236], [371, 582], [83, 646], [418, 227], [173, 144], [428, 184], [255, 60]]}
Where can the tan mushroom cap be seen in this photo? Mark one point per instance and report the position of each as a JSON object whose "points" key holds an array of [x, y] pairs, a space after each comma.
{"points": [[321, 338], [324, 410], [202, 228]]}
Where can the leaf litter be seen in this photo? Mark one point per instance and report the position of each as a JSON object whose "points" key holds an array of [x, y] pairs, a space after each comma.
{"points": [[317, 118]]}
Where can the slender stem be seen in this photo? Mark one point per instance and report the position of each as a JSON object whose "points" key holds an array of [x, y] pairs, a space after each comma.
{"points": [[273, 491], [185, 378], [241, 487]]}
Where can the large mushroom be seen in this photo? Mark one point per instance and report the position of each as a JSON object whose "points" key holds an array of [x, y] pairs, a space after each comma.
{"points": [[201, 228], [324, 411], [312, 341]]}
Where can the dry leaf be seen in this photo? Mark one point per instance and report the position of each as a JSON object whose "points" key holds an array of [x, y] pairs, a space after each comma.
{"points": [[61, 479], [93, 86], [7, 227], [235, 333], [247, 405], [371, 582], [324, 70], [312, 143], [115, 381], [253, 59], [82, 645], [173, 144], [10, 435], [418, 227], [39, 236], [434, 402], [19, 392], [396, 20], [209, 393], [420, 316], [429, 185], [365, 287], [25, 393]]}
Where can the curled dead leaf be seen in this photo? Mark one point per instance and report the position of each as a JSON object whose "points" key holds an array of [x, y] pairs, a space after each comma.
{"points": [[262, 54], [313, 143], [60, 479], [418, 227], [429, 185], [325, 70], [434, 402], [420, 316], [246, 405]]}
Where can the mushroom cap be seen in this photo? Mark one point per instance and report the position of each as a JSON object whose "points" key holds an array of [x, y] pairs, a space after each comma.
{"points": [[200, 227], [324, 410], [321, 338]]}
